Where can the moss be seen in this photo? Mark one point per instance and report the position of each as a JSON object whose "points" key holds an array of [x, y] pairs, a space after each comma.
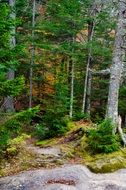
{"points": [[15, 145], [53, 141], [68, 151], [104, 163], [12, 151], [107, 165], [17, 142], [83, 143], [78, 147], [70, 125], [47, 142]]}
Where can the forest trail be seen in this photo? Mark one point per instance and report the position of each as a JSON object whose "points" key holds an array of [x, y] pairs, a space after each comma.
{"points": [[55, 151], [65, 177]]}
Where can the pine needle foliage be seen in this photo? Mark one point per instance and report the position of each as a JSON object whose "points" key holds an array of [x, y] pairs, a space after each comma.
{"points": [[102, 140]]}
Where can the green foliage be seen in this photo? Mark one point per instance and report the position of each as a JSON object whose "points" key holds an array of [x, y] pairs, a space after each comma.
{"points": [[14, 145], [11, 87], [54, 122], [14, 125], [40, 131], [101, 139], [8, 56], [21, 120], [4, 138], [80, 115], [63, 18], [51, 127], [97, 117]]}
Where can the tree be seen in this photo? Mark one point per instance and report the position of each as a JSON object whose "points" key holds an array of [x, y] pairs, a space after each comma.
{"points": [[91, 25], [71, 89], [32, 53], [117, 64], [8, 102], [60, 26]]}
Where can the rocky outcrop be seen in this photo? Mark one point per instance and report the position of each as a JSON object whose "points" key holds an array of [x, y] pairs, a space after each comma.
{"points": [[69, 177]]}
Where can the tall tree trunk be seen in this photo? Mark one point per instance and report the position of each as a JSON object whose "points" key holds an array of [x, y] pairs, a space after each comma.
{"points": [[90, 37], [8, 101], [88, 106], [117, 63], [72, 89], [32, 54], [95, 9]]}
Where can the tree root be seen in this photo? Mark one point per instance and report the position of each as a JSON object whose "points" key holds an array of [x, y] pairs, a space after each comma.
{"points": [[120, 131]]}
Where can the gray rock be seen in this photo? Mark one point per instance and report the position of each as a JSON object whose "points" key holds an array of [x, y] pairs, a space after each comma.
{"points": [[68, 177], [60, 187], [55, 151]]}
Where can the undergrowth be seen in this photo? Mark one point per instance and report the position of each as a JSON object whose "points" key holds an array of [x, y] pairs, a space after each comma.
{"points": [[102, 140]]}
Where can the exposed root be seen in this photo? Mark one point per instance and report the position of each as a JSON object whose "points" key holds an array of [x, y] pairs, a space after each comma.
{"points": [[122, 135]]}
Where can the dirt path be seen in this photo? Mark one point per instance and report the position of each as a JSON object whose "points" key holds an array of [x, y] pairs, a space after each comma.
{"points": [[54, 151]]}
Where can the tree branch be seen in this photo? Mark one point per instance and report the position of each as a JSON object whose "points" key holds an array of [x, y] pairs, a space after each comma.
{"points": [[101, 72]]}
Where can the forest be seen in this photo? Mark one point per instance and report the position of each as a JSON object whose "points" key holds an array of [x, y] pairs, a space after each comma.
{"points": [[62, 93]]}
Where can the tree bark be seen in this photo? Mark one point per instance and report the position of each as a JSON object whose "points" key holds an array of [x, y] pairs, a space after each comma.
{"points": [[117, 64], [92, 73], [91, 26], [72, 89], [101, 72], [122, 135], [8, 101], [32, 54], [87, 71], [88, 107]]}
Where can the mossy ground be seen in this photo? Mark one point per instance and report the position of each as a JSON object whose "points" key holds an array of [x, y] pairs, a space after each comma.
{"points": [[104, 163], [74, 150]]}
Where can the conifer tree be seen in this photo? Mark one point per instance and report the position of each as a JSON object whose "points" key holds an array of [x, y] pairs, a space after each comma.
{"points": [[32, 54], [9, 102]]}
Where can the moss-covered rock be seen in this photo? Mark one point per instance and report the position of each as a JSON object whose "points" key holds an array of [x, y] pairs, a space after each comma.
{"points": [[47, 142], [103, 163]]}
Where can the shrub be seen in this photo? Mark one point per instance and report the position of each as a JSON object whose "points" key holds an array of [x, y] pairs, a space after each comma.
{"points": [[20, 120], [15, 145], [40, 131], [51, 127], [4, 138], [102, 140], [54, 122], [80, 115], [13, 126]]}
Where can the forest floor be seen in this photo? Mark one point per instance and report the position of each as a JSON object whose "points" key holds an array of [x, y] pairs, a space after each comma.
{"points": [[58, 164]]}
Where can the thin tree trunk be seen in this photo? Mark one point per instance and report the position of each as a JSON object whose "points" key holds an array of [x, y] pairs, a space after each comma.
{"points": [[32, 54], [92, 73], [8, 101], [88, 107], [72, 89], [87, 68], [125, 121], [96, 8], [117, 64], [68, 66]]}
